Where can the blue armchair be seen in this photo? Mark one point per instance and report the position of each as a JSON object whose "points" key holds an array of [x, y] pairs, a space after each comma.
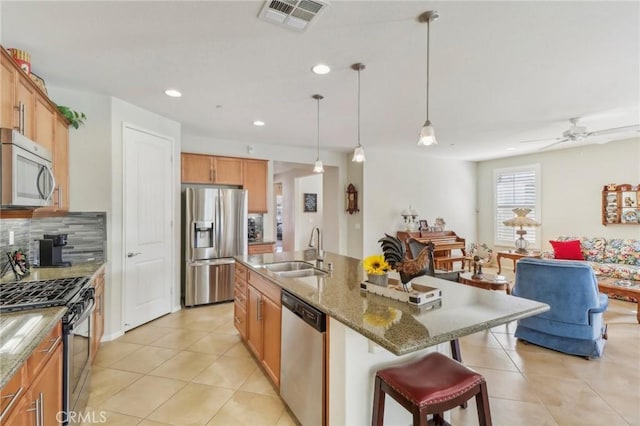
{"points": [[574, 324]]}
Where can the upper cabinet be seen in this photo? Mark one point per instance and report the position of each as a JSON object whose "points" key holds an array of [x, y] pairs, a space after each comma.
{"points": [[215, 170], [28, 109], [255, 181]]}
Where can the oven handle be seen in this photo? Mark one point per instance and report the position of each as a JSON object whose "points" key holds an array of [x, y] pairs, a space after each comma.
{"points": [[85, 315]]}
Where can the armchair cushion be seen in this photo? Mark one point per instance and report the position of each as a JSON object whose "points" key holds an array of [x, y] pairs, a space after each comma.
{"points": [[574, 324]]}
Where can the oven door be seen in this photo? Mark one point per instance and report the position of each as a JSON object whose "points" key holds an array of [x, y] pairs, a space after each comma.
{"points": [[77, 364]]}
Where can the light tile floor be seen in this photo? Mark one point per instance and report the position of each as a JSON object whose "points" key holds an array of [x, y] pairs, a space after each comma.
{"points": [[190, 368]]}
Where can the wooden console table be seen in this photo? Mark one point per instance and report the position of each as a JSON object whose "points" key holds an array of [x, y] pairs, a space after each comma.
{"points": [[515, 257], [487, 282]]}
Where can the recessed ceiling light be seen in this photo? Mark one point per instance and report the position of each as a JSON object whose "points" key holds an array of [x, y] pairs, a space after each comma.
{"points": [[511, 148], [173, 93], [321, 69], [258, 123]]}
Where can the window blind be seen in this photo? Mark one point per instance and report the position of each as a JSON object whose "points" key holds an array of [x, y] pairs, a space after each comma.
{"points": [[515, 188]]}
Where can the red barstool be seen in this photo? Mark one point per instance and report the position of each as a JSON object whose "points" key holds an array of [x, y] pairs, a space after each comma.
{"points": [[430, 385]]}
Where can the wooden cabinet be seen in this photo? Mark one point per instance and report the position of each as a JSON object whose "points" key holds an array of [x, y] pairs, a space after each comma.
{"points": [[25, 104], [98, 314], [255, 182], [261, 248], [227, 170], [620, 204], [209, 169], [263, 324], [35, 392], [8, 72], [196, 168], [240, 300], [44, 122], [61, 164]]}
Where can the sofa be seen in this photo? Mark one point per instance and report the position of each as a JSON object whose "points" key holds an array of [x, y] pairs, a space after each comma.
{"points": [[613, 257], [575, 323]]}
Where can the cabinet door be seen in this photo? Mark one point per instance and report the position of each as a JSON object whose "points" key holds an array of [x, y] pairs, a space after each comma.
{"points": [[61, 164], [227, 170], [48, 387], [98, 316], [24, 413], [196, 168], [255, 181], [254, 321], [271, 319], [26, 95], [45, 122], [8, 113]]}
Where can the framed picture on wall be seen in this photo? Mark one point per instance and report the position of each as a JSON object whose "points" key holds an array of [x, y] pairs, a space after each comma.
{"points": [[310, 203]]}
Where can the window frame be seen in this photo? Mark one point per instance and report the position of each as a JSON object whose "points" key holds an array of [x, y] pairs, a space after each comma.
{"points": [[533, 234]]}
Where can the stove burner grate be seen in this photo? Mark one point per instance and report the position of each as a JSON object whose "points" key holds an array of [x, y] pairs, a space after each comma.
{"points": [[23, 295]]}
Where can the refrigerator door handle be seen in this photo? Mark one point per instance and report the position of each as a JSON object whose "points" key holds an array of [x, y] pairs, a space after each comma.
{"points": [[209, 262]]}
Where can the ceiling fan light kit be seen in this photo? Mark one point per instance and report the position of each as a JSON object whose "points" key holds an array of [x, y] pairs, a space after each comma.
{"points": [[318, 167], [358, 152], [428, 134]]}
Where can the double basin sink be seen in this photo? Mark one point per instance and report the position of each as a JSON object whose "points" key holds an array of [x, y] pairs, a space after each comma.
{"points": [[293, 269]]}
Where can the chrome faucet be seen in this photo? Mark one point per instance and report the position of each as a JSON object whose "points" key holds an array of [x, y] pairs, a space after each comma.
{"points": [[318, 247]]}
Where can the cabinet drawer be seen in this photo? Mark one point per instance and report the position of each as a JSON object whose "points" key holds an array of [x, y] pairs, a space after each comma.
{"points": [[266, 287], [241, 272], [12, 393], [240, 296], [43, 351], [240, 319]]}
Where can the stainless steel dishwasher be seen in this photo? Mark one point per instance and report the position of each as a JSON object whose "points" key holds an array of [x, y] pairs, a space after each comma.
{"points": [[302, 371]]}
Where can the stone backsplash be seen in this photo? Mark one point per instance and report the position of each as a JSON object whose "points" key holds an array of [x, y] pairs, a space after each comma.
{"points": [[86, 236]]}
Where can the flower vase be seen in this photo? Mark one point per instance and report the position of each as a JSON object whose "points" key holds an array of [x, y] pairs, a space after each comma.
{"points": [[378, 279]]}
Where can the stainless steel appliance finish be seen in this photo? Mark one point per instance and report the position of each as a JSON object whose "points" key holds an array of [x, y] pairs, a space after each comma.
{"points": [[302, 361], [27, 177], [215, 230]]}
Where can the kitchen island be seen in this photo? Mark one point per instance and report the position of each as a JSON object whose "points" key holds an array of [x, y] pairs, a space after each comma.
{"points": [[367, 332]]}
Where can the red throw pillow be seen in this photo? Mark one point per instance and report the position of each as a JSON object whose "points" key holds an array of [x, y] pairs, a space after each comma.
{"points": [[567, 250]]}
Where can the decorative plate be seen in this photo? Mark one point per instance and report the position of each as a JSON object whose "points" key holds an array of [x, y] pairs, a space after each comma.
{"points": [[630, 217]]}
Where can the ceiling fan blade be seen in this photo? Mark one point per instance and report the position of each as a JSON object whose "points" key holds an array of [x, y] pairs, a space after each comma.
{"points": [[542, 140], [623, 129], [553, 144]]}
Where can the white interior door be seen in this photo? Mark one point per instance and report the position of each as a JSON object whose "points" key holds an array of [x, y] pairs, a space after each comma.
{"points": [[148, 219]]}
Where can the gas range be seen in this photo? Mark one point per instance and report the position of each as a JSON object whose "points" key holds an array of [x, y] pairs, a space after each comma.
{"points": [[24, 295]]}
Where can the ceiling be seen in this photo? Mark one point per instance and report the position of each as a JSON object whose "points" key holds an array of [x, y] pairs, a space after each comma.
{"points": [[501, 72]]}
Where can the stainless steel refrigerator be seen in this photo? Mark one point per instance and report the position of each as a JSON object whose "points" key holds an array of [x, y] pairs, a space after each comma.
{"points": [[215, 229]]}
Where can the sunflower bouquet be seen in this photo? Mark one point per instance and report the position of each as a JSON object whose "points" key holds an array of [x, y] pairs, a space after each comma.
{"points": [[377, 269]]}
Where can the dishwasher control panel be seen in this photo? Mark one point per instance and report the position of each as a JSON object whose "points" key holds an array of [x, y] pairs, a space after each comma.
{"points": [[309, 314]]}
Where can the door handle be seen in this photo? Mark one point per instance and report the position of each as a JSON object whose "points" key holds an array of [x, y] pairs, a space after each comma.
{"points": [[132, 254]]}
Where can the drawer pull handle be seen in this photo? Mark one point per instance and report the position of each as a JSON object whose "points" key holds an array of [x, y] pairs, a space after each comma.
{"points": [[53, 345], [14, 397]]}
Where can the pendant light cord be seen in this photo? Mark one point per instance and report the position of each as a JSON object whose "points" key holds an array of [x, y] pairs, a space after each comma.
{"points": [[428, 79], [359, 105], [318, 156]]}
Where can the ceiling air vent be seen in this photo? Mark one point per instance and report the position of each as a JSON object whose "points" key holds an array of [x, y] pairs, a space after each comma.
{"points": [[297, 15]]}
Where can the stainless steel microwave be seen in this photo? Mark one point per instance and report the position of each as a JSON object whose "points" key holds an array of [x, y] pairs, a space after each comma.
{"points": [[27, 177]]}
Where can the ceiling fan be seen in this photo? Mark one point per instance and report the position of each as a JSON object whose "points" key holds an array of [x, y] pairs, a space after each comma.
{"points": [[577, 133]]}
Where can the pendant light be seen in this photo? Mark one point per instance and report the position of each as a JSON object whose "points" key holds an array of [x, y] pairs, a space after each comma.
{"points": [[358, 152], [317, 167], [427, 134]]}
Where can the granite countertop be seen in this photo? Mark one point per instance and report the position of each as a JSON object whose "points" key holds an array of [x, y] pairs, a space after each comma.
{"points": [[398, 327], [20, 334], [28, 328]]}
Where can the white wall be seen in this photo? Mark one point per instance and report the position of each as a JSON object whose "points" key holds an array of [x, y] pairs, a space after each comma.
{"points": [[305, 221], [571, 189], [433, 186]]}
